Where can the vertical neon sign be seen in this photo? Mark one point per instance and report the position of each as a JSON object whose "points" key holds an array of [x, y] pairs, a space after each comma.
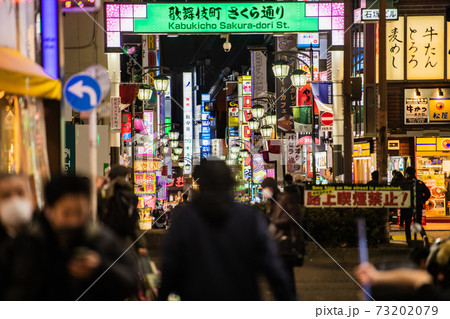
{"points": [[206, 126], [188, 126], [50, 43]]}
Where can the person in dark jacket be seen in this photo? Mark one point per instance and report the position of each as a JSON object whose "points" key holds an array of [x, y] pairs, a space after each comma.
{"points": [[295, 190], [64, 256], [117, 207], [216, 248], [285, 217], [16, 213], [422, 194], [399, 180], [374, 181]]}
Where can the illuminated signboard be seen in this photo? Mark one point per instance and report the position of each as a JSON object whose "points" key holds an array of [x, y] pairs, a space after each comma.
{"points": [[395, 45], [416, 49], [373, 14], [198, 18], [427, 106], [361, 149], [50, 42], [425, 41], [80, 5], [188, 120], [206, 126], [357, 196]]}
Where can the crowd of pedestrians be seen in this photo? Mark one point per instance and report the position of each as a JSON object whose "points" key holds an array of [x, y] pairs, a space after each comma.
{"points": [[215, 248]]}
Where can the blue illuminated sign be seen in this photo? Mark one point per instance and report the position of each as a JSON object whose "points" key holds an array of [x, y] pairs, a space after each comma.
{"points": [[50, 43], [206, 126]]}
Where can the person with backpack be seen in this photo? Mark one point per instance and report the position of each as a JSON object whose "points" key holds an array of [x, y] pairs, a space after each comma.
{"points": [[118, 208], [421, 193]]}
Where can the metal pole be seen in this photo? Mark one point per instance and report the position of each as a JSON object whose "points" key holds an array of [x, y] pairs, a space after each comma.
{"points": [[132, 132], [251, 176], [313, 117], [93, 161], [382, 149], [348, 128]]}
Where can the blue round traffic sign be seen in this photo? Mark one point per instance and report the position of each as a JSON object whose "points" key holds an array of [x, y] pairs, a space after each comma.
{"points": [[82, 92]]}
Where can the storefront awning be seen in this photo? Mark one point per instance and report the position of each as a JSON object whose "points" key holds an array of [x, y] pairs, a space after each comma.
{"points": [[19, 75]]}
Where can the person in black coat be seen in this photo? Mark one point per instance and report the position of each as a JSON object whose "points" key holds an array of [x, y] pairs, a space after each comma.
{"points": [[422, 194], [64, 256], [216, 248]]}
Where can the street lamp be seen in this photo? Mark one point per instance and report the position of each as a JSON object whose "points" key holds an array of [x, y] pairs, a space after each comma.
{"points": [[266, 131], [235, 149], [181, 164], [178, 150], [165, 149], [233, 155], [175, 157], [161, 82], [258, 111], [281, 69], [253, 124], [164, 140], [298, 78], [173, 135], [173, 143], [145, 92], [271, 118], [230, 162], [244, 153]]}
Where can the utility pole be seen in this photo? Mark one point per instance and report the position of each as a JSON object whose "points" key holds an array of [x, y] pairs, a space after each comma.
{"points": [[382, 142], [348, 125], [313, 119], [133, 133]]}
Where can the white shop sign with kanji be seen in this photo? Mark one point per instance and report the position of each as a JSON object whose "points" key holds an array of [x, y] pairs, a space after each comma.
{"points": [[416, 110]]}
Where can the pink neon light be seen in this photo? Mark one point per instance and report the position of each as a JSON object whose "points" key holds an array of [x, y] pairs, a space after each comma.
{"points": [[126, 10], [338, 9], [112, 10], [337, 23], [112, 24], [324, 9]]}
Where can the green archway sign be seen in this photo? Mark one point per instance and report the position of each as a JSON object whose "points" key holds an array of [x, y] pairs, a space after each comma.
{"points": [[201, 18]]}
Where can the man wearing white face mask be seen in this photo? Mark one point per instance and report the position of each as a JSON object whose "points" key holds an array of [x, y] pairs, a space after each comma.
{"points": [[16, 212]]}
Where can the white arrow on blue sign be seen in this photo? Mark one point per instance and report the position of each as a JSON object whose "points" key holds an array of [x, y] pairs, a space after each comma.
{"points": [[82, 92]]}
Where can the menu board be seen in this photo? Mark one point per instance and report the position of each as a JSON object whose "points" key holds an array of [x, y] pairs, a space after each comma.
{"points": [[435, 206]]}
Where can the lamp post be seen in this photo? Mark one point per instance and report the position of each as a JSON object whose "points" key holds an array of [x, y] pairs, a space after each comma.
{"points": [[160, 82], [298, 79], [235, 151]]}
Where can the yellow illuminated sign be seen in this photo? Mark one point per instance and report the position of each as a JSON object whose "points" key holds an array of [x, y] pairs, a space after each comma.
{"points": [[439, 110], [361, 150], [426, 144]]}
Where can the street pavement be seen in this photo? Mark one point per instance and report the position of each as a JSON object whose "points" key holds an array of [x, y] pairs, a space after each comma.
{"points": [[329, 277]]}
